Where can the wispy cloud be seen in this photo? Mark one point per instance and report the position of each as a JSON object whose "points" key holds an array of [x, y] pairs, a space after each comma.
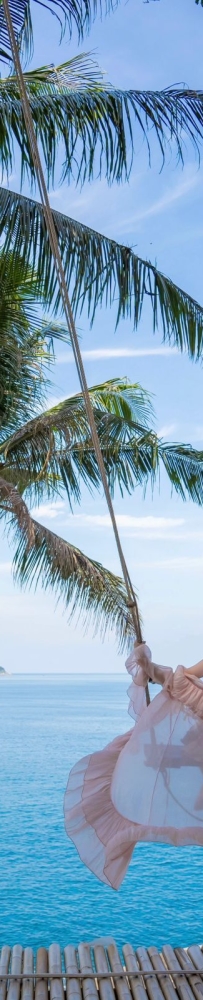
{"points": [[102, 353], [48, 510], [167, 430], [148, 527], [172, 195], [126, 522], [129, 521]]}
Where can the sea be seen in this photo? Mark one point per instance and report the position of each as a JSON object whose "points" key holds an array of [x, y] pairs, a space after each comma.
{"points": [[47, 722]]}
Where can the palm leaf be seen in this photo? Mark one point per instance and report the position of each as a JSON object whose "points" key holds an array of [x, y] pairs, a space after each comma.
{"points": [[26, 343], [184, 467], [84, 584], [22, 24], [93, 120], [98, 269], [11, 503], [69, 13], [55, 449]]}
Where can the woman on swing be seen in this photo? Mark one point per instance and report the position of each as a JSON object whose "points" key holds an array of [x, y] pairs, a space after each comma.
{"points": [[146, 785]]}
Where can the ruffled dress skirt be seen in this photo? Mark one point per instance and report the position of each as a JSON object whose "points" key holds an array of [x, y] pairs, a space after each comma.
{"points": [[146, 785]]}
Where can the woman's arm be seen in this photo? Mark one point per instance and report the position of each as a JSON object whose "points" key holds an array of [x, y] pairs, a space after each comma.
{"points": [[197, 670], [160, 675]]}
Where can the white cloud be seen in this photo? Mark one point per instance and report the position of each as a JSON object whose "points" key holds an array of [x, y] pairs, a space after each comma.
{"points": [[48, 510], [126, 521], [166, 430], [162, 204], [100, 353], [146, 528]]}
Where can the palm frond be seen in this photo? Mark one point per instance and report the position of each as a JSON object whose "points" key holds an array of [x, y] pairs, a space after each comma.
{"points": [[19, 18], [98, 269], [95, 121], [26, 344], [54, 450], [12, 503], [134, 456], [69, 14], [83, 584], [184, 467]]}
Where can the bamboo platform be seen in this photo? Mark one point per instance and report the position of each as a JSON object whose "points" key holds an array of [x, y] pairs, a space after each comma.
{"points": [[101, 973]]}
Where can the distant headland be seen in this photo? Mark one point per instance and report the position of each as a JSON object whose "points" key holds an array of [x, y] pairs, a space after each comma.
{"points": [[3, 672]]}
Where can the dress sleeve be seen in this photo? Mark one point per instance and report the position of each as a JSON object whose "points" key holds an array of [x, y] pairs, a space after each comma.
{"points": [[142, 669]]}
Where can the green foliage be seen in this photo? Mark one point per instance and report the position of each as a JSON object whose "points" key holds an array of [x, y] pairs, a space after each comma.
{"points": [[84, 584], [98, 270], [69, 14], [53, 452], [96, 122], [26, 343]]}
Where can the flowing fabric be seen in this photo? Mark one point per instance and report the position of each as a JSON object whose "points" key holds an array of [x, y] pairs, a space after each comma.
{"points": [[146, 785]]}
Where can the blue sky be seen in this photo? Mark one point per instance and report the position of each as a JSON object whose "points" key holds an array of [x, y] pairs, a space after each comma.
{"points": [[143, 45]]}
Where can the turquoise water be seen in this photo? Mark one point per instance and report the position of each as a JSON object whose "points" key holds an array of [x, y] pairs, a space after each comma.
{"points": [[47, 723]]}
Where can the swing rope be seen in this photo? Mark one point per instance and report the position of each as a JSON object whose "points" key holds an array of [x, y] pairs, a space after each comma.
{"points": [[53, 240]]}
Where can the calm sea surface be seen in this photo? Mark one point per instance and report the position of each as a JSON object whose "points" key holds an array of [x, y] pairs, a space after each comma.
{"points": [[46, 894]]}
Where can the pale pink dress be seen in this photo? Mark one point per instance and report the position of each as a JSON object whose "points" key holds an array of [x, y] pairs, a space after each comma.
{"points": [[146, 785]]}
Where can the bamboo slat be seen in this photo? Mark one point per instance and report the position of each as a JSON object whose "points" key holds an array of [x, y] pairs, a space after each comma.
{"points": [[14, 987], [151, 983], [186, 963], [55, 968], [73, 988], [136, 985], [121, 986], [28, 966], [165, 983], [106, 990], [88, 985], [181, 983], [4, 966], [195, 953], [41, 988]]}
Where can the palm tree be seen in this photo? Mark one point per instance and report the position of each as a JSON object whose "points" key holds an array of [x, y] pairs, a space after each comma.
{"points": [[71, 103], [53, 450], [45, 454]]}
